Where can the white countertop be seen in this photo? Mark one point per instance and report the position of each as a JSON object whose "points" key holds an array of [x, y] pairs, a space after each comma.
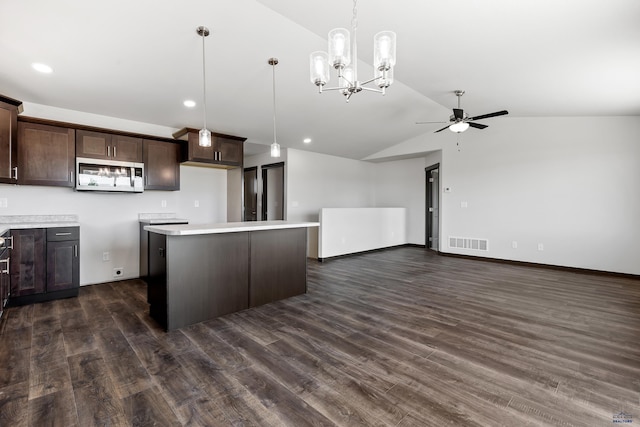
{"points": [[227, 227], [13, 222]]}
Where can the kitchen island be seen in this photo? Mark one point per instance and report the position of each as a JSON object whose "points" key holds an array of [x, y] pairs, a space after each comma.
{"points": [[201, 271]]}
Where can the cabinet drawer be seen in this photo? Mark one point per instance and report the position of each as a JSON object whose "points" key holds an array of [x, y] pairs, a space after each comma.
{"points": [[59, 234]]}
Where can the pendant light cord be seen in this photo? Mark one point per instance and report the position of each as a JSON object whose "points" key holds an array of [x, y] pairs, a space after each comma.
{"points": [[204, 82], [273, 65], [354, 47]]}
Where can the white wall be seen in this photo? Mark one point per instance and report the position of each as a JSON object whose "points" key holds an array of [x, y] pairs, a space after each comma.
{"points": [[109, 222], [316, 181], [572, 184], [350, 230], [402, 183]]}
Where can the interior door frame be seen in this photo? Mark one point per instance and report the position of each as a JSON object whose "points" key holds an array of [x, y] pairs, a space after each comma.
{"points": [[428, 217], [264, 169], [244, 183]]}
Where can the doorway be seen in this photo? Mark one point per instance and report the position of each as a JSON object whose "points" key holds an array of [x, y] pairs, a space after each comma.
{"points": [[432, 238], [251, 194], [273, 191]]}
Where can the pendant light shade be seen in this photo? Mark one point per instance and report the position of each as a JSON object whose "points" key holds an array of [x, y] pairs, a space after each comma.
{"points": [[275, 147], [204, 139]]}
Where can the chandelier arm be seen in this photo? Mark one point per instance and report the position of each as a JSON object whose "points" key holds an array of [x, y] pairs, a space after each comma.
{"points": [[335, 88], [371, 80], [370, 89]]}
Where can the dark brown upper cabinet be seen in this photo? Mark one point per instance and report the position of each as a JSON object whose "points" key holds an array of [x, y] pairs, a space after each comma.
{"points": [[9, 110], [106, 146], [161, 165], [46, 155], [226, 151]]}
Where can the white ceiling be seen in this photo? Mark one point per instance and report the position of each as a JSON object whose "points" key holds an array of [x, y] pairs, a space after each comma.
{"points": [[140, 59]]}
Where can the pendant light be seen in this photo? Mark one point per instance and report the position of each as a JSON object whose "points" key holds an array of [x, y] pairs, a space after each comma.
{"points": [[275, 147], [204, 139]]}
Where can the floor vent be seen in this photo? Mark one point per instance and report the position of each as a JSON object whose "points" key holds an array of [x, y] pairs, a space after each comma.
{"points": [[468, 243]]}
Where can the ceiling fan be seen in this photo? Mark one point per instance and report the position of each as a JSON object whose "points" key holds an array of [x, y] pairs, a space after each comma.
{"points": [[461, 121]]}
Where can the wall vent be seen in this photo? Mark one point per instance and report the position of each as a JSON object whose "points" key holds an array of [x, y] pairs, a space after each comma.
{"points": [[469, 243]]}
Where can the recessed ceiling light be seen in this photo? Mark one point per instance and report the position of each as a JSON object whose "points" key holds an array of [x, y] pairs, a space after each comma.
{"points": [[306, 140], [189, 103], [43, 68]]}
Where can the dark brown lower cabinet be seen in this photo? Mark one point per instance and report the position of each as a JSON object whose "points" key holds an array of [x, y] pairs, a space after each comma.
{"points": [[4, 270], [193, 278], [45, 264], [28, 262]]}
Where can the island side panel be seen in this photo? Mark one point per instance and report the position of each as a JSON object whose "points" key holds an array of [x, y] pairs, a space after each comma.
{"points": [[157, 278], [278, 265], [207, 277]]}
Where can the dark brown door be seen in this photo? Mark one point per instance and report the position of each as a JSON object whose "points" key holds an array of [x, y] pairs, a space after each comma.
{"points": [[126, 148], [161, 165], [8, 146], [95, 145], [273, 192], [28, 262], [63, 265], [251, 194], [46, 155]]}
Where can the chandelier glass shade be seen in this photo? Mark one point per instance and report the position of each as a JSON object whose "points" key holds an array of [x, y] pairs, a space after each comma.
{"points": [[342, 56]]}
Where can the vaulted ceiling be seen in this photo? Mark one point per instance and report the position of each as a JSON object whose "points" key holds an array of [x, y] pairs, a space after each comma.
{"points": [[139, 60]]}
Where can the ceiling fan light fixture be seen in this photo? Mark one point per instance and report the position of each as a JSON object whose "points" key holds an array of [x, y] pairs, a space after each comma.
{"points": [[459, 127]]}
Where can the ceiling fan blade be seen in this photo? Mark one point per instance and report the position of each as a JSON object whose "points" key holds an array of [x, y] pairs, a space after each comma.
{"points": [[425, 123], [458, 113], [486, 116], [440, 130], [477, 125]]}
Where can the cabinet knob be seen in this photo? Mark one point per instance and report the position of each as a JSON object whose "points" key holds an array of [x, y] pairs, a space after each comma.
{"points": [[5, 270]]}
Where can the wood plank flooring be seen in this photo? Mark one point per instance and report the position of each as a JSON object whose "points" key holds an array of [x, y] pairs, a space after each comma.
{"points": [[401, 337]]}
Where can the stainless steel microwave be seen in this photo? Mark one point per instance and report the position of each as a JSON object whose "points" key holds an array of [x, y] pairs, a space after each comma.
{"points": [[109, 175]]}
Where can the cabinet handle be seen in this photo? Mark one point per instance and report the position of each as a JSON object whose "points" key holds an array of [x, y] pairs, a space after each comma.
{"points": [[5, 242], [108, 151], [161, 250], [71, 177], [15, 173], [114, 151], [75, 250], [6, 270], [63, 234]]}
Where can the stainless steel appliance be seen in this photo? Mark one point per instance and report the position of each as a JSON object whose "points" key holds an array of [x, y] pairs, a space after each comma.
{"points": [[109, 175]]}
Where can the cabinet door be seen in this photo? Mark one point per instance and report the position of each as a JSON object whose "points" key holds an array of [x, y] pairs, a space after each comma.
{"points": [[161, 165], [46, 155], [8, 146], [196, 153], [230, 151], [94, 145], [63, 265], [4, 277], [28, 262], [126, 148]]}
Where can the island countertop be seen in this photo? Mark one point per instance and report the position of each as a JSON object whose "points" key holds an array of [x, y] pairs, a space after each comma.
{"points": [[226, 227]]}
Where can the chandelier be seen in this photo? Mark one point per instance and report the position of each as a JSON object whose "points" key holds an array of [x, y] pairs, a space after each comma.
{"points": [[343, 57]]}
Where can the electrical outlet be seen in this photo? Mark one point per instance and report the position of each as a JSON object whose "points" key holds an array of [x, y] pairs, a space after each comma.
{"points": [[163, 203], [540, 247], [196, 203], [4, 202], [118, 272], [514, 244], [106, 256], [464, 204]]}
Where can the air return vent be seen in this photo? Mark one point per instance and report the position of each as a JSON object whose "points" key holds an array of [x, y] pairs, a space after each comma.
{"points": [[469, 243]]}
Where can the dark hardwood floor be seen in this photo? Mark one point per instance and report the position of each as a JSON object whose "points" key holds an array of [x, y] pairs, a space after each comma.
{"points": [[401, 337]]}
